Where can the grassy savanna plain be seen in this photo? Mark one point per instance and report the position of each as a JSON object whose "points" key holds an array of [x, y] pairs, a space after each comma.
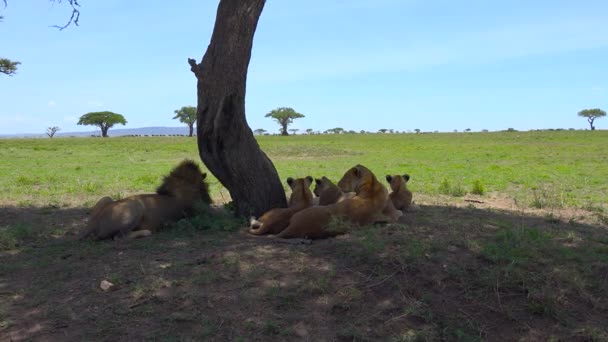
{"points": [[508, 241]]}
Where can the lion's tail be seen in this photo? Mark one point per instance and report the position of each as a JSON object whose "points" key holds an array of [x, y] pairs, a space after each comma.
{"points": [[256, 227]]}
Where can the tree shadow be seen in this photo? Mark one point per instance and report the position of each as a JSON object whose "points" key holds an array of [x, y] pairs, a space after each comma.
{"points": [[433, 276]]}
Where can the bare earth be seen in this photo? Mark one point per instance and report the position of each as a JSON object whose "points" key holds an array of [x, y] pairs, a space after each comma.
{"points": [[427, 278]]}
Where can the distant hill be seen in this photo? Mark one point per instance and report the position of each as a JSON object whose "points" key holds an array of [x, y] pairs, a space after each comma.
{"points": [[113, 132]]}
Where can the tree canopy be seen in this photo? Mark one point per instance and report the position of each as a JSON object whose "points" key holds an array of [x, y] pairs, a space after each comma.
{"points": [[591, 115], [187, 115], [284, 116], [103, 120]]}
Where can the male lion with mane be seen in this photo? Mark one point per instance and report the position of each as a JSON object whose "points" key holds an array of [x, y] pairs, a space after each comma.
{"points": [[275, 220], [362, 209], [140, 215]]}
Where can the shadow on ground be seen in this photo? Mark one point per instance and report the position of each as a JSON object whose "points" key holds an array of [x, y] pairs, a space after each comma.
{"points": [[442, 273]]}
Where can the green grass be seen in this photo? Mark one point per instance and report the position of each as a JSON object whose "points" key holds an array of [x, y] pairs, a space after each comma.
{"points": [[540, 169]]}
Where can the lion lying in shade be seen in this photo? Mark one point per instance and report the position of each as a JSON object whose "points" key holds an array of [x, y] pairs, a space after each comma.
{"points": [[140, 215]]}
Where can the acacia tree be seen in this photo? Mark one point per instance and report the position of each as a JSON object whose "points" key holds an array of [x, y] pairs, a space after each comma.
{"points": [[50, 131], [226, 143], [187, 115], [591, 115], [284, 116], [103, 120]]}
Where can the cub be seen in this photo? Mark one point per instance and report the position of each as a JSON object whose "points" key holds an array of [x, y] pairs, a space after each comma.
{"points": [[275, 220], [400, 196], [329, 193]]}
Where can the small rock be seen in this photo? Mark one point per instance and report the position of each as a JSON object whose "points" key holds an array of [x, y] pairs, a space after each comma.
{"points": [[106, 285], [300, 329]]}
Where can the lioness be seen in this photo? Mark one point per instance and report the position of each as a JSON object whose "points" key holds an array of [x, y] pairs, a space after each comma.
{"points": [[389, 213], [329, 193], [362, 209], [275, 220], [139, 215], [400, 196]]}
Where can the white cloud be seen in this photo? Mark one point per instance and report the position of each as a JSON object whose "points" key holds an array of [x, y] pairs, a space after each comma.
{"points": [[51, 103]]}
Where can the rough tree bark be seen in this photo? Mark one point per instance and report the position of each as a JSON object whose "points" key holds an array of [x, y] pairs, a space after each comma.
{"points": [[225, 141]]}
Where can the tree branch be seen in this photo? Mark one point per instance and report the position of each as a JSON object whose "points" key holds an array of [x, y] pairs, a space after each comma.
{"points": [[193, 66], [73, 18]]}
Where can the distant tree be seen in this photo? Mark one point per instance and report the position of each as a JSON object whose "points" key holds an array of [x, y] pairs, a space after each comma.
{"points": [[309, 131], [351, 132], [467, 130], [50, 131], [455, 131], [337, 130], [187, 115], [259, 131], [591, 115], [391, 131], [511, 129], [417, 130], [484, 130], [103, 120], [383, 130], [293, 130], [284, 116], [362, 131]]}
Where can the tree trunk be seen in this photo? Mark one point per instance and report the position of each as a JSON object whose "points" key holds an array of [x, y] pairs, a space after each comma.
{"points": [[591, 123], [191, 129], [225, 141], [104, 131], [284, 129]]}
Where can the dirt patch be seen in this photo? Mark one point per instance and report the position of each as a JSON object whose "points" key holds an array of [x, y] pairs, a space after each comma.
{"points": [[445, 272]]}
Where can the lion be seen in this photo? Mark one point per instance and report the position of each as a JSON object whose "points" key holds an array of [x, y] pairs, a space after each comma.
{"points": [[362, 209], [400, 196], [328, 192], [275, 220], [140, 215]]}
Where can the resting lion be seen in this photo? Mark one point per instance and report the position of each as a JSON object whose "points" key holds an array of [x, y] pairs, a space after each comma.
{"points": [[140, 215], [328, 192], [275, 220], [400, 196], [362, 209]]}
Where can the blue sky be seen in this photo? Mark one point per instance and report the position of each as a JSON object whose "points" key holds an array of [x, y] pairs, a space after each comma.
{"points": [[360, 64]]}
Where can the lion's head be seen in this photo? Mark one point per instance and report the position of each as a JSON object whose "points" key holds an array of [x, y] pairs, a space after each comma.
{"points": [[300, 191], [186, 181], [356, 178], [398, 182]]}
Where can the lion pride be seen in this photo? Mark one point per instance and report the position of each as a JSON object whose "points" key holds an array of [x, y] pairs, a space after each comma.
{"points": [[400, 196], [328, 192], [139, 215], [362, 209], [275, 220]]}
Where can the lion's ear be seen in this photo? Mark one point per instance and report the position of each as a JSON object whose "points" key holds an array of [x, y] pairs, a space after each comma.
{"points": [[318, 181], [308, 180], [289, 181], [406, 177], [356, 171], [389, 178]]}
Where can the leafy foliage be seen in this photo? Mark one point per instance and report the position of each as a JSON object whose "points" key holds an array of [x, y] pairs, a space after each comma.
{"points": [[591, 115], [187, 115], [8, 67], [284, 116], [103, 120]]}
